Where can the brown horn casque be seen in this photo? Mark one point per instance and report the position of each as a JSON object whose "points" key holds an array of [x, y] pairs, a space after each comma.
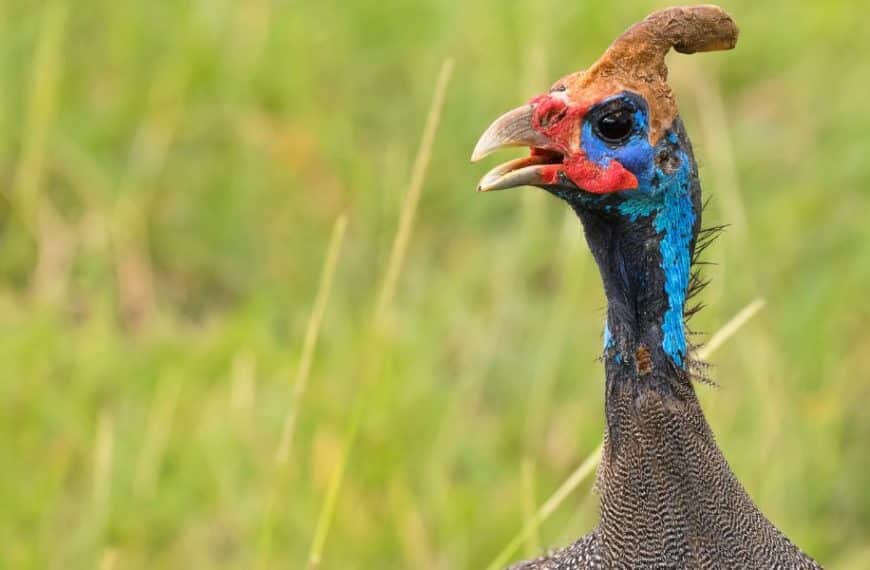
{"points": [[636, 60]]}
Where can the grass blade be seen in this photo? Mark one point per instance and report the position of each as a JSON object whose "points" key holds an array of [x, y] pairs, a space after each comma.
{"points": [[533, 538], [312, 334], [394, 268], [415, 187], [41, 107]]}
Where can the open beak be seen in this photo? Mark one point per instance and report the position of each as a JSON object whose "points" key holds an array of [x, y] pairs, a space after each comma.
{"points": [[514, 128]]}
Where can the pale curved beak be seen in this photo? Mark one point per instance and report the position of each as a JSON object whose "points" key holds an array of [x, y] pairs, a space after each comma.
{"points": [[514, 129]]}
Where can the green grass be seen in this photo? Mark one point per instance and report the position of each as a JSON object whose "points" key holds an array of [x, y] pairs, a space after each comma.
{"points": [[172, 173]]}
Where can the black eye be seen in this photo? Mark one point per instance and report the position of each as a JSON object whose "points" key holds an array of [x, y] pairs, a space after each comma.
{"points": [[616, 126]]}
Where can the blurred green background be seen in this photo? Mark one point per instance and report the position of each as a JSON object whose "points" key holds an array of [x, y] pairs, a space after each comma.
{"points": [[171, 174]]}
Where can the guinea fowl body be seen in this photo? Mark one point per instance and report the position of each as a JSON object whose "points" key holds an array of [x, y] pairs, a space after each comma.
{"points": [[610, 143]]}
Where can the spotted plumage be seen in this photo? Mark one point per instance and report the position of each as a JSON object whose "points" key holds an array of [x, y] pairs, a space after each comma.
{"points": [[610, 143]]}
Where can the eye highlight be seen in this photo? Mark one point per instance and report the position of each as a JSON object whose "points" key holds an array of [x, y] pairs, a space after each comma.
{"points": [[616, 126]]}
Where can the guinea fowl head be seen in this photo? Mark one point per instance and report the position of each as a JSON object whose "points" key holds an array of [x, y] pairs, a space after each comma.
{"points": [[598, 130], [609, 141]]}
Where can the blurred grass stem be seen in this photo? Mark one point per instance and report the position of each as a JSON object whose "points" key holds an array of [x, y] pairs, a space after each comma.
{"points": [[394, 268]]}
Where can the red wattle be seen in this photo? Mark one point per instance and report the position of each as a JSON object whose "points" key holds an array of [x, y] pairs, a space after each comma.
{"points": [[597, 179]]}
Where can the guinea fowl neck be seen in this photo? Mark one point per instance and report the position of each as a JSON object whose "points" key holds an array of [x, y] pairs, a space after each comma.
{"points": [[643, 242], [667, 492], [643, 247]]}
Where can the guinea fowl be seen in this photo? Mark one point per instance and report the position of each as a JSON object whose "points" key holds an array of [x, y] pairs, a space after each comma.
{"points": [[609, 142]]}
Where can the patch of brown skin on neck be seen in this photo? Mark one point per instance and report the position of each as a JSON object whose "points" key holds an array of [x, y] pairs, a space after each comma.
{"points": [[642, 361]]}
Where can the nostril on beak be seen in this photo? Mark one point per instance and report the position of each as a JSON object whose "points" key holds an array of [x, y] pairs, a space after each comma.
{"points": [[548, 111], [550, 117]]}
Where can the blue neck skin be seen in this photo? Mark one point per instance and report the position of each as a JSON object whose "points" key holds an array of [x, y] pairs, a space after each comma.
{"points": [[643, 240], [673, 218]]}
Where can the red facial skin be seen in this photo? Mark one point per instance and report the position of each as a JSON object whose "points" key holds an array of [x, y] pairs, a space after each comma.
{"points": [[559, 122]]}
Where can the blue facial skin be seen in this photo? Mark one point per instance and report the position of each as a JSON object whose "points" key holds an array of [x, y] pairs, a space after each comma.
{"points": [[663, 195], [636, 155]]}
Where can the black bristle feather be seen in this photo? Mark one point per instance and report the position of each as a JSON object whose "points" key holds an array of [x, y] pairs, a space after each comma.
{"points": [[698, 369]]}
